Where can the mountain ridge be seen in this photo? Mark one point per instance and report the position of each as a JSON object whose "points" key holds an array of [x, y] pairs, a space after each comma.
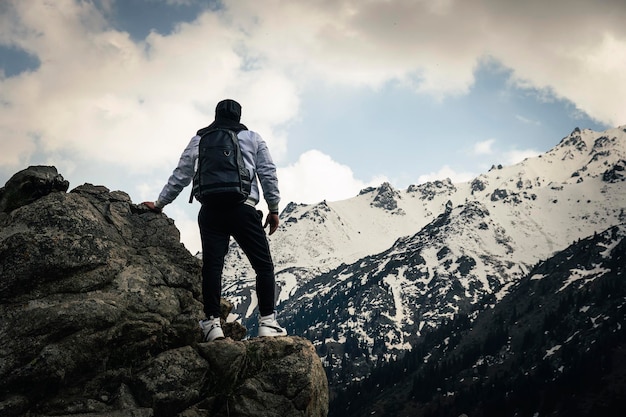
{"points": [[553, 346], [316, 238], [369, 277]]}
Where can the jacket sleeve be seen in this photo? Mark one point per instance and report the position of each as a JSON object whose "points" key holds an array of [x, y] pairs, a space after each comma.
{"points": [[266, 171], [182, 175]]}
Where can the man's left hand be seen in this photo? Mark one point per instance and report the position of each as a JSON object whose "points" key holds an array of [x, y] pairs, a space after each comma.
{"points": [[272, 221]]}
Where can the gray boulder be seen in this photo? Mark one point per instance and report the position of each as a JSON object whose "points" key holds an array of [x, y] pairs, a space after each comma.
{"points": [[99, 303]]}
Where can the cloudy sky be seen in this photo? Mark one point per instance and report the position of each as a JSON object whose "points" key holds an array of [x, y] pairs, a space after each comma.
{"points": [[347, 93]]}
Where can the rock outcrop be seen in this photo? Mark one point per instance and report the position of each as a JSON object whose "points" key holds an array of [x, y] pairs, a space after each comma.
{"points": [[99, 303], [30, 184], [386, 198]]}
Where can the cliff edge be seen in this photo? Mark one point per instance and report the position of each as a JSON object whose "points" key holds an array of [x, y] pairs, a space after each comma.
{"points": [[99, 303]]}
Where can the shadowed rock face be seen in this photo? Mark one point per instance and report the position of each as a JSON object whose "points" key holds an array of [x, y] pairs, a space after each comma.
{"points": [[99, 303], [257, 377], [30, 184]]}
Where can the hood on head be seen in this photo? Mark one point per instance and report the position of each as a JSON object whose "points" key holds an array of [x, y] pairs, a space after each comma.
{"points": [[228, 109]]}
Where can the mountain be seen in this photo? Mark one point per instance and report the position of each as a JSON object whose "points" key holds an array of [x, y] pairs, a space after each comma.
{"points": [[542, 204], [368, 278], [554, 345]]}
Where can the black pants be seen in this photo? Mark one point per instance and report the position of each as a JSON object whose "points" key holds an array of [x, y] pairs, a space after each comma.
{"points": [[243, 222]]}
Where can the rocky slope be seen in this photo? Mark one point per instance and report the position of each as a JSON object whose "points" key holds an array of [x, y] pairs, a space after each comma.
{"points": [[555, 345], [99, 303]]}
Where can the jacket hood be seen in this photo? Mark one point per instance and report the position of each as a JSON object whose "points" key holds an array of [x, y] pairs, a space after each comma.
{"points": [[227, 116]]}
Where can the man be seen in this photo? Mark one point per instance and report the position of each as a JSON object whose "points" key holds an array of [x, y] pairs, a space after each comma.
{"points": [[241, 221]]}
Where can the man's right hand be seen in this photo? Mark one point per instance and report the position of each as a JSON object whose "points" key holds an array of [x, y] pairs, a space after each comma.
{"points": [[152, 207]]}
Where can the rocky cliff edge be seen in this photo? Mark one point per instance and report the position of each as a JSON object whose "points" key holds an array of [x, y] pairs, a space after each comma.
{"points": [[99, 303]]}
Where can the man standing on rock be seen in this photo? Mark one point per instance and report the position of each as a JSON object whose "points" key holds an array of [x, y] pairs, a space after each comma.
{"points": [[240, 219]]}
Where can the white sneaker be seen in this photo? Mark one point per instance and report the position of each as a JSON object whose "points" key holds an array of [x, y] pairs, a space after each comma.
{"points": [[268, 326], [211, 329]]}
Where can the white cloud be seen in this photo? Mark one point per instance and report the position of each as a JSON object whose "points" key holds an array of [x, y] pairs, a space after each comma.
{"points": [[107, 97], [150, 191], [575, 50], [484, 147], [185, 220], [514, 156], [363, 43], [527, 121], [316, 177]]}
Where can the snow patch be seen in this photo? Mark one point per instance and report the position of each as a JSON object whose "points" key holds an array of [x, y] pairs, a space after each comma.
{"points": [[551, 351], [583, 274]]}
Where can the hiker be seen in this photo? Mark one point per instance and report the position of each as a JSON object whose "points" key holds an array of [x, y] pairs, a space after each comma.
{"points": [[219, 221]]}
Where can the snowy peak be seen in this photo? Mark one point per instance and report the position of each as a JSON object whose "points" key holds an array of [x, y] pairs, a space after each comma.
{"points": [[591, 153], [430, 190], [584, 154], [386, 198], [529, 211], [318, 223]]}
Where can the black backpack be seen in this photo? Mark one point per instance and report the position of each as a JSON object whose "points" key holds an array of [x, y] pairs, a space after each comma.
{"points": [[221, 178]]}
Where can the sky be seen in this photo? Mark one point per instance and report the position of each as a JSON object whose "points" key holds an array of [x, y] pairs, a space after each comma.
{"points": [[347, 93]]}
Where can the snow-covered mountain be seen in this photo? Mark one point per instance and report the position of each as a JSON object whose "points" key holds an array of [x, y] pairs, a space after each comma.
{"points": [[366, 277], [554, 346], [538, 206]]}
